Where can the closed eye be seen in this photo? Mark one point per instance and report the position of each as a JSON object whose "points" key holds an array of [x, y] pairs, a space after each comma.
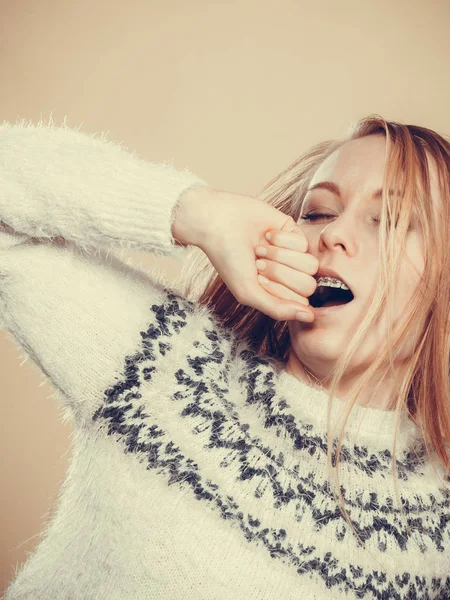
{"points": [[315, 216]]}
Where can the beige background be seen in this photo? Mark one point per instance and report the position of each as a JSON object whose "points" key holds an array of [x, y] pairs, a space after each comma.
{"points": [[234, 90]]}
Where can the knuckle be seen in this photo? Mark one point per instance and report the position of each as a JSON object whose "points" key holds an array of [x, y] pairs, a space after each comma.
{"points": [[311, 264], [271, 268], [313, 286], [308, 264], [290, 224], [302, 239], [274, 254], [303, 244], [310, 284]]}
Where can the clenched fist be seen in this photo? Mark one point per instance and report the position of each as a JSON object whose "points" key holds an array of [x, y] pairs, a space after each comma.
{"points": [[231, 229]]}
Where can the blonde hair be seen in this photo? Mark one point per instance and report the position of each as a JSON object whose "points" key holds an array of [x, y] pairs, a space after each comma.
{"points": [[424, 393]]}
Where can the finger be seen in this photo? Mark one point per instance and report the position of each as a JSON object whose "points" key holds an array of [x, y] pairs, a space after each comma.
{"points": [[278, 308], [301, 261], [281, 291], [249, 292], [300, 283], [295, 240]]}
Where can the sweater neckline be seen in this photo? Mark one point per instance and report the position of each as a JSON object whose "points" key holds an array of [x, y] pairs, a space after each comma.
{"points": [[366, 425]]}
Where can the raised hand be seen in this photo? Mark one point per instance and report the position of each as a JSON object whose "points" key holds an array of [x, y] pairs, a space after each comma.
{"points": [[285, 269], [228, 228]]}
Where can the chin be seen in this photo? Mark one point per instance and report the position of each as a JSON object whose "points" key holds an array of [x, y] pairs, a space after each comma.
{"points": [[323, 345]]}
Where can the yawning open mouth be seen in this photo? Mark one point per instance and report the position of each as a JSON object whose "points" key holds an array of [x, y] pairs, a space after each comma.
{"points": [[330, 296]]}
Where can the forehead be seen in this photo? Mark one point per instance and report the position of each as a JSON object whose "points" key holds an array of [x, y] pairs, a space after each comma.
{"points": [[358, 165]]}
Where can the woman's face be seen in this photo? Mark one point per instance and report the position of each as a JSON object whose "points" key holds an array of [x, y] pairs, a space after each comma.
{"points": [[346, 240]]}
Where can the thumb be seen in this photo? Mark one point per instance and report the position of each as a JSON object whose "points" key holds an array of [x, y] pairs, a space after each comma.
{"points": [[289, 225]]}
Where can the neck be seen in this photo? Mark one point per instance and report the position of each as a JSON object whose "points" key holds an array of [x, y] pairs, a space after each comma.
{"points": [[381, 395]]}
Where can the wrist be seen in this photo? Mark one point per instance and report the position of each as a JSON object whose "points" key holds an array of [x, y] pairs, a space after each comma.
{"points": [[190, 218]]}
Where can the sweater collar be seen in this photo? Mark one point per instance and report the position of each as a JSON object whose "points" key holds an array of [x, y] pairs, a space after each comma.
{"points": [[368, 426]]}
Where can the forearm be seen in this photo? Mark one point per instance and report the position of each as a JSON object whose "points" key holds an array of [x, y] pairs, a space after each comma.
{"points": [[57, 182]]}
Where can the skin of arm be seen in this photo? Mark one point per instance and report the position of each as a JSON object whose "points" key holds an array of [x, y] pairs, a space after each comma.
{"points": [[192, 215]]}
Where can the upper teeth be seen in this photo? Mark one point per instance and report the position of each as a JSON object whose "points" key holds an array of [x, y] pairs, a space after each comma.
{"points": [[331, 282]]}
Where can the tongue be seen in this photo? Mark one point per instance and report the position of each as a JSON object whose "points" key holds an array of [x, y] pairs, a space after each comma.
{"points": [[336, 302]]}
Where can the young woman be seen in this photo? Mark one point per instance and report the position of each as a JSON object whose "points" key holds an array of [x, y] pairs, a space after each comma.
{"points": [[280, 426]]}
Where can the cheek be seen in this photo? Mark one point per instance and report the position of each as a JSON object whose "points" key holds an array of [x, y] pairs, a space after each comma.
{"points": [[408, 280]]}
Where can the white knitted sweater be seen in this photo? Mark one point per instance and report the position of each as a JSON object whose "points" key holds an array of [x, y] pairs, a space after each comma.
{"points": [[199, 468]]}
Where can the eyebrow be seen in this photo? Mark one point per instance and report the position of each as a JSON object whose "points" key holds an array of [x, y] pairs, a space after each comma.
{"points": [[334, 188]]}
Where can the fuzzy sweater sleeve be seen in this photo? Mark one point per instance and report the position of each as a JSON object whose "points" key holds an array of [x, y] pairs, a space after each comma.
{"points": [[76, 309]]}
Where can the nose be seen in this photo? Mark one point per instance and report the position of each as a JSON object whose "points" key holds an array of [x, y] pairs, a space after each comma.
{"points": [[336, 236]]}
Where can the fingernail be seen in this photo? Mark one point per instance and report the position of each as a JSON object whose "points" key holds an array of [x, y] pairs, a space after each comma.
{"points": [[260, 264], [304, 316], [268, 235], [262, 279], [261, 250]]}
